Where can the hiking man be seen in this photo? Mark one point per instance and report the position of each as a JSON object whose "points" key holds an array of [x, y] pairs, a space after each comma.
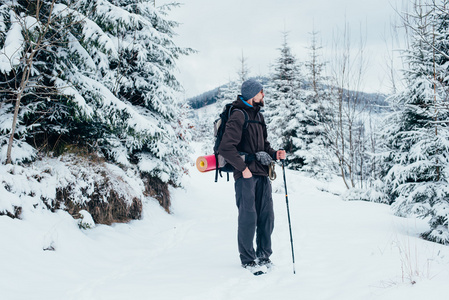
{"points": [[252, 185]]}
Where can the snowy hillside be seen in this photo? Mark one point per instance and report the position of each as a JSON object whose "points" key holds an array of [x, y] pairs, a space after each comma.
{"points": [[344, 250]]}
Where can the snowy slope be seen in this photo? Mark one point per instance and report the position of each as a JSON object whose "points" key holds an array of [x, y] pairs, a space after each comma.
{"points": [[344, 250]]}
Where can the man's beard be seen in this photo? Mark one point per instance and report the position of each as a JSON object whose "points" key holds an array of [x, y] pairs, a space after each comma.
{"points": [[260, 104]]}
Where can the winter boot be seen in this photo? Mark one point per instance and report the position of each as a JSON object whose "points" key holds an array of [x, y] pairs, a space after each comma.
{"points": [[255, 269], [265, 262]]}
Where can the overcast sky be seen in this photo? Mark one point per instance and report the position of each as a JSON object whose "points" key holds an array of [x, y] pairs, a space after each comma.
{"points": [[221, 30]]}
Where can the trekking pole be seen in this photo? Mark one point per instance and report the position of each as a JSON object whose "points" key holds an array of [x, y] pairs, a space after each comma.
{"points": [[288, 214]]}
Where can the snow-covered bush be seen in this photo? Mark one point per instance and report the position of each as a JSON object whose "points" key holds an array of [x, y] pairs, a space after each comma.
{"points": [[73, 182], [85, 221]]}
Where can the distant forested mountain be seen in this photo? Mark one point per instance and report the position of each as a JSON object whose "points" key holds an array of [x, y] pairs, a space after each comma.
{"points": [[376, 101]]}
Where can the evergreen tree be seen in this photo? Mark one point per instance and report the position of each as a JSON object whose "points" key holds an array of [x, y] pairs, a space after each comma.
{"points": [[286, 113], [228, 92], [111, 67], [33, 108], [417, 142], [317, 96], [282, 88], [243, 71]]}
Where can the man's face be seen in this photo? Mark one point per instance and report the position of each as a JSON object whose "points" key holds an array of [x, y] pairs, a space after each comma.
{"points": [[259, 98]]}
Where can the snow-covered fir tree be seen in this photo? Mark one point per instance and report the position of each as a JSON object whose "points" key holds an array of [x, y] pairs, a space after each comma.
{"points": [[141, 65], [227, 93], [317, 96], [33, 110], [243, 71], [417, 138], [284, 86], [286, 109], [111, 68]]}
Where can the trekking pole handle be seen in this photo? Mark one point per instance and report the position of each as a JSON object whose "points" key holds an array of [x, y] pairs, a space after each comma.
{"points": [[282, 160]]}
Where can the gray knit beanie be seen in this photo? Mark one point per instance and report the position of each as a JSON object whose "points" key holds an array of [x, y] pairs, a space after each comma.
{"points": [[250, 88]]}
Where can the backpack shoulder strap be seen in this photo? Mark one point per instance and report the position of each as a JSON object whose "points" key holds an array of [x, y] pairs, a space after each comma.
{"points": [[257, 121], [245, 114], [245, 124]]}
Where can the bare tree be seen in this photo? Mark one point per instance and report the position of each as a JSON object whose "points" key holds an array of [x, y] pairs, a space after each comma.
{"points": [[392, 42], [345, 128]]}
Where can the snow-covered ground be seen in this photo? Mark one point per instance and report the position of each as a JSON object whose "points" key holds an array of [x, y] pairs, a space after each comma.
{"points": [[343, 250]]}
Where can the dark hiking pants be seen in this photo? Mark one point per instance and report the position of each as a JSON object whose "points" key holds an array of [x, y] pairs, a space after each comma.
{"points": [[256, 217]]}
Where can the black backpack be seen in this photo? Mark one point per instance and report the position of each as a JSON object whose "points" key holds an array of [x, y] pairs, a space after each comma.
{"points": [[219, 128]]}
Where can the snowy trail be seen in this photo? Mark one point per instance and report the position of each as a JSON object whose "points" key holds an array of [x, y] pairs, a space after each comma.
{"points": [[343, 250]]}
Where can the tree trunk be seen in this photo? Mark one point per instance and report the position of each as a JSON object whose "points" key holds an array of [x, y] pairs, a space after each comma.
{"points": [[23, 84]]}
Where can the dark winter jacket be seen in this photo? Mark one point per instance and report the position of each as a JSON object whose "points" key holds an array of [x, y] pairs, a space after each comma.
{"points": [[250, 140]]}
